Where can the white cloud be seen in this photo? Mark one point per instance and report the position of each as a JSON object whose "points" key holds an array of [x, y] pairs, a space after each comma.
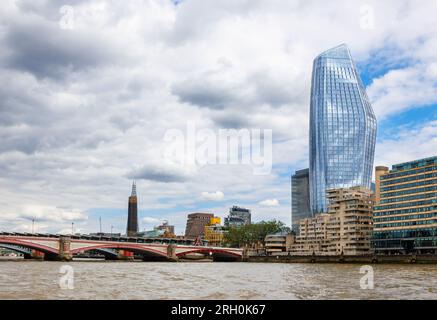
{"points": [[151, 221], [402, 89], [407, 145], [212, 196], [269, 203]]}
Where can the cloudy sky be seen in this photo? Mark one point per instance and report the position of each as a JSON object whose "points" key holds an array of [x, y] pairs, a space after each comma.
{"points": [[88, 90]]}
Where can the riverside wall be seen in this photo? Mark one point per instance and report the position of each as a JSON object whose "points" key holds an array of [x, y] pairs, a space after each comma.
{"points": [[372, 259]]}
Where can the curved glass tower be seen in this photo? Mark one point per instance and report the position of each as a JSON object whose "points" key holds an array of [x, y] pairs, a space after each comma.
{"points": [[342, 127]]}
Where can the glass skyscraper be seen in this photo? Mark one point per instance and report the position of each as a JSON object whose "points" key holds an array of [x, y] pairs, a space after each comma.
{"points": [[342, 127]]}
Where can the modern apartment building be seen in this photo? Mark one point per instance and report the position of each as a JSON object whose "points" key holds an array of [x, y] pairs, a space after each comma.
{"points": [[237, 217], [350, 225], [342, 127], [345, 229], [300, 198], [405, 213], [312, 237]]}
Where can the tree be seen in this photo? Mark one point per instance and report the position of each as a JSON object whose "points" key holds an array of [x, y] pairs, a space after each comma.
{"points": [[249, 234]]}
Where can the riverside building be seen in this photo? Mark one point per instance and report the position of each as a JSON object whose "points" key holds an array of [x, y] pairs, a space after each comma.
{"points": [[346, 228], [405, 213]]}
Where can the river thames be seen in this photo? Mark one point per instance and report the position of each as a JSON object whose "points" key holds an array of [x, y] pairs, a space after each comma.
{"points": [[203, 280]]}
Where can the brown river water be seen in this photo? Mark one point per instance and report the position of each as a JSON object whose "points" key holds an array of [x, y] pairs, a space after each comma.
{"points": [[213, 280]]}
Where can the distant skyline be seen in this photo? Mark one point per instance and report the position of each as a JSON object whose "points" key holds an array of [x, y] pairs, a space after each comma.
{"points": [[89, 89]]}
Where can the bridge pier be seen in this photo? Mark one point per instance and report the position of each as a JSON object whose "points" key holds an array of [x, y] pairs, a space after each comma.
{"points": [[171, 253], [64, 251]]}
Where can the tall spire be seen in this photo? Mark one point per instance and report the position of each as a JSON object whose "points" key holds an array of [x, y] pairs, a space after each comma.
{"points": [[134, 189]]}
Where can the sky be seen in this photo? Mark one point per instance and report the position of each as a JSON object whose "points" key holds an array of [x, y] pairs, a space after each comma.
{"points": [[89, 90]]}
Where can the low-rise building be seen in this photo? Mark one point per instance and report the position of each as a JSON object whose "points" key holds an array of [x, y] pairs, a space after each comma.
{"points": [[278, 243], [214, 232]]}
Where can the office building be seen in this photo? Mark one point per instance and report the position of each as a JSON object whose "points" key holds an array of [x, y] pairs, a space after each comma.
{"points": [[238, 217], [196, 223], [300, 198], [342, 127], [405, 213], [132, 217]]}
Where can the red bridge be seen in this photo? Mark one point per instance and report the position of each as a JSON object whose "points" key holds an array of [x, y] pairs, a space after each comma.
{"points": [[65, 248]]}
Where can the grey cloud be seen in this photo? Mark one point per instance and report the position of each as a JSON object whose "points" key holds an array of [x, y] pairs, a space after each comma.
{"points": [[202, 94], [231, 120], [260, 87], [45, 50], [159, 174]]}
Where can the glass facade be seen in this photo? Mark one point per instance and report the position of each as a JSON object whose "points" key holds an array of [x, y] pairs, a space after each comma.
{"points": [[405, 215], [300, 198], [342, 127], [237, 217]]}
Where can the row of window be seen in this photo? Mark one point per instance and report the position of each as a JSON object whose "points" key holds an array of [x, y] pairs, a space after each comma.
{"points": [[406, 224], [409, 185], [411, 191], [405, 205], [416, 164], [408, 172], [417, 243], [407, 233], [411, 210], [409, 198], [406, 217], [412, 178]]}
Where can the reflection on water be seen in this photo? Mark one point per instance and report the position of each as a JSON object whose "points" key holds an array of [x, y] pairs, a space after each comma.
{"points": [[155, 280]]}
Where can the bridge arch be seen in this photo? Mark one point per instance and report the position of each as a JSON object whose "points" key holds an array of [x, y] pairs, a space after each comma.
{"points": [[16, 248], [217, 254], [123, 246], [29, 245]]}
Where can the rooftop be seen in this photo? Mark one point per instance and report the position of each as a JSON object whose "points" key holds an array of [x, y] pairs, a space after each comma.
{"points": [[414, 164]]}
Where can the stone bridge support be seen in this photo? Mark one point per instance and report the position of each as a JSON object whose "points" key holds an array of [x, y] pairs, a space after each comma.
{"points": [[64, 251], [171, 253]]}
